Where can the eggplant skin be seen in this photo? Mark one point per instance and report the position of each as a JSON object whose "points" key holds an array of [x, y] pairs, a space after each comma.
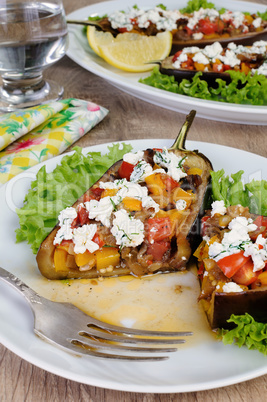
{"points": [[179, 74], [187, 230], [223, 305]]}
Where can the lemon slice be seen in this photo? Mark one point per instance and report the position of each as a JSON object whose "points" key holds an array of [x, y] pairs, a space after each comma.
{"points": [[131, 52], [98, 38]]}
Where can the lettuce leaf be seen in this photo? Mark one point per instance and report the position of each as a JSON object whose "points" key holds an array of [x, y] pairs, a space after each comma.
{"points": [[247, 333], [243, 89], [195, 5], [52, 192], [232, 191]]}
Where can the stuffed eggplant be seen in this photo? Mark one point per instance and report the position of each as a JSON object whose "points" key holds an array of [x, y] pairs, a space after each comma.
{"points": [[137, 219], [232, 263], [199, 28], [214, 61]]}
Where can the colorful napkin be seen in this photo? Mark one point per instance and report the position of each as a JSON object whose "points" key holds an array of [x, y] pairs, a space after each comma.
{"points": [[33, 135]]}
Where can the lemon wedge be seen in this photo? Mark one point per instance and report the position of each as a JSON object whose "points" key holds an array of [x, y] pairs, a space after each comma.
{"points": [[131, 52], [98, 38]]}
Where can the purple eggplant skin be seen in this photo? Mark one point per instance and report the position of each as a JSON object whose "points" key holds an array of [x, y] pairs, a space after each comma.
{"points": [[179, 74], [244, 39], [223, 305]]}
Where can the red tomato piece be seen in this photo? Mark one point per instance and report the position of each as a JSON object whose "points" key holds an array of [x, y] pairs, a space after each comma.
{"points": [[158, 249], [97, 239], [204, 225], [218, 68], [169, 182], [206, 26], [159, 229], [126, 170], [232, 263], [122, 30], [245, 275], [94, 194], [82, 215]]}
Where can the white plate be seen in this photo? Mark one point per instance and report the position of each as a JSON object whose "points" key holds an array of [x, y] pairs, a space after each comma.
{"points": [[81, 53], [204, 365]]}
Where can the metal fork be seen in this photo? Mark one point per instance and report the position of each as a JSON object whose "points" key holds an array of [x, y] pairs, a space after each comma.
{"points": [[66, 326]]}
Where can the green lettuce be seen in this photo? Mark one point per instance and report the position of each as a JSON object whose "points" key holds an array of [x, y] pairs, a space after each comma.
{"points": [[52, 192], [233, 192], [247, 333], [195, 5], [243, 89]]}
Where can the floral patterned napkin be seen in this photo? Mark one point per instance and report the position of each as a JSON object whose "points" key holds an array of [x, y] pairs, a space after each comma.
{"points": [[33, 135]]}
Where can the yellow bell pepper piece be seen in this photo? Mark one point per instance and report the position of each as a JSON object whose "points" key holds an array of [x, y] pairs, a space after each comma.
{"points": [[263, 278], [60, 258], [107, 256], [195, 171], [155, 185], [109, 192], [180, 194], [85, 258], [132, 204]]}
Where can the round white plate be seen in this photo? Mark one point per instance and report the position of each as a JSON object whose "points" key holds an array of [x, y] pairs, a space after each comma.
{"points": [[81, 53], [205, 365]]}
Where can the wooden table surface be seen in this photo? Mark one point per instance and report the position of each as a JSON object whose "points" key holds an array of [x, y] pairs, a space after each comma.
{"points": [[129, 118]]}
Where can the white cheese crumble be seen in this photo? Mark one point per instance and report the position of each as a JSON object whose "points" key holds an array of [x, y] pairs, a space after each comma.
{"points": [[172, 162], [180, 205], [82, 239], [231, 287], [258, 253], [133, 158], [65, 219], [128, 231], [218, 207], [142, 170]]}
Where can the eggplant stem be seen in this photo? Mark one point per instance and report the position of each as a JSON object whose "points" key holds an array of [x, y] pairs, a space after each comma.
{"points": [[179, 143]]}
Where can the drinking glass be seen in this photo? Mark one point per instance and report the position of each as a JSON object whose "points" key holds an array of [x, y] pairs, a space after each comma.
{"points": [[33, 36]]}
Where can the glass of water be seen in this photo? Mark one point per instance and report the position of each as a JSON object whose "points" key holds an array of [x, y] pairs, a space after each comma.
{"points": [[33, 36]]}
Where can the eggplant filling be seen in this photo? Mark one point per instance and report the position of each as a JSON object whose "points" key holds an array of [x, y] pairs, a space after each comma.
{"points": [[232, 258], [214, 58], [135, 219], [204, 24]]}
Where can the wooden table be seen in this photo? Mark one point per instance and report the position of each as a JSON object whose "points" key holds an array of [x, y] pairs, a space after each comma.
{"points": [[129, 118]]}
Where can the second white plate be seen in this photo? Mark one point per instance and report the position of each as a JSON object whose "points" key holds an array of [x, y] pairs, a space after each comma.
{"points": [[81, 53]]}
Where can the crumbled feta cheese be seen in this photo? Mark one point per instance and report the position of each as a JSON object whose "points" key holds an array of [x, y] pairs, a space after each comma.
{"points": [[172, 162], [257, 22], [218, 207], [128, 231], [258, 253], [200, 58], [133, 158], [65, 219], [100, 210], [232, 287], [82, 239], [180, 205]]}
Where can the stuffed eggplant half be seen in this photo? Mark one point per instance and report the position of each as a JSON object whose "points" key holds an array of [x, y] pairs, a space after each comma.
{"points": [[137, 219], [214, 61], [199, 28], [232, 264]]}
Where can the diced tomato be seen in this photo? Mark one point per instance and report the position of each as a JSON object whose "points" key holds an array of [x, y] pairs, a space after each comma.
{"points": [[94, 194], [169, 182], [158, 249], [159, 229], [188, 64], [245, 275], [226, 67], [189, 31], [122, 30], [206, 26], [97, 239], [82, 215], [218, 67], [232, 263], [175, 57], [65, 244], [126, 170], [200, 270], [261, 222], [158, 149]]}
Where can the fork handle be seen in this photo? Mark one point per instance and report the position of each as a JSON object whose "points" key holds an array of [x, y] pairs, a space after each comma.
{"points": [[30, 295]]}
